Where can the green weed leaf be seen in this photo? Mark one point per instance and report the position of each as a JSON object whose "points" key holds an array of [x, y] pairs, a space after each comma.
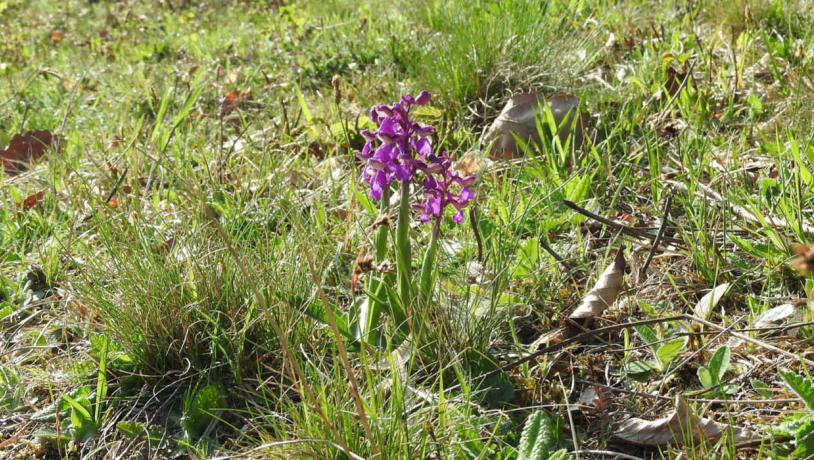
{"points": [[200, 409], [705, 376], [719, 364], [536, 438], [800, 386], [667, 352]]}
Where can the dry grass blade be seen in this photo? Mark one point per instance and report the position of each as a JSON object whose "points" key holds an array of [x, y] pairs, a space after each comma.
{"points": [[681, 427], [604, 292], [703, 309]]}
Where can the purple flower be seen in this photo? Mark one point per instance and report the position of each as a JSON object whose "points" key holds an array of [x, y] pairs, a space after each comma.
{"points": [[397, 148], [443, 188], [400, 149]]}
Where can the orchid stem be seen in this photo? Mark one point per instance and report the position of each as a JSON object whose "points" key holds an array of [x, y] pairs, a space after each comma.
{"points": [[428, 265], [403, 261]]}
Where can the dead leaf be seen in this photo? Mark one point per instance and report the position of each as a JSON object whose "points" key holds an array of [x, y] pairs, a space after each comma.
{"points": [[25, 149], [476, 273], [775, 315], [32, 200], [681, 427], [703, 309], [675, 79], [470, 164], [604, 292], [519, 118], [233, 100]]}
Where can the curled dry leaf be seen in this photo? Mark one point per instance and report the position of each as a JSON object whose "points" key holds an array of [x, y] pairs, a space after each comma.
{"points": [[681, 427], [519, 118], [604, 292], [25, 149], [703, 309]]}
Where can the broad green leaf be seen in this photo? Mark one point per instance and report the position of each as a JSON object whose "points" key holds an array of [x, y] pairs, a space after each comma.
{"points": [[317, 311], [201, 409], [647, 334], [805, 440], [81, 421], [667, 352], [705, 376], [306, 112], [639, 367], [719, 364], [561, 454], [101, 383], [800, 386]]}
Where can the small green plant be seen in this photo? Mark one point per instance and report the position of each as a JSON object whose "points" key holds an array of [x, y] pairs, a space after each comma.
{"points": [[85, 420], [200, 409], [540, 438], [711, 377], [11, 390], [798, 427], [664, 352]]}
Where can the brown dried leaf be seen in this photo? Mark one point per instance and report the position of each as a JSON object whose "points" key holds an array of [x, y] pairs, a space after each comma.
{"points": [[519, 116], [32, 200], [233, 100], [681, 427], [604, 292], [25, 149]]}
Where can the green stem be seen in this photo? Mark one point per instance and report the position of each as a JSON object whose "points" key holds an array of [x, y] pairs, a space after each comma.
{"points": [[403, 258], [428, 265], [377, 285], [380, 241]]}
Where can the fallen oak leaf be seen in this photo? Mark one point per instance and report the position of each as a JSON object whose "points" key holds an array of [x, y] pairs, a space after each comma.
{"points": [[25, 149], [604, 292], [681, 427]]}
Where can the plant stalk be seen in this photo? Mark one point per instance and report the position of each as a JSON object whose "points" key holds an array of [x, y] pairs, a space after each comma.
{"points": [[428, 266], [403, 258]]}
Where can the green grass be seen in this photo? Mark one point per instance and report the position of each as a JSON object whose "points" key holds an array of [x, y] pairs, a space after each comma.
{"points": [[163, 299]]}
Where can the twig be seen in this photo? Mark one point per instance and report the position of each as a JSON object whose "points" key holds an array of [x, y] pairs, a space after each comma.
{"points": [[582, 337], [746, 338], [551, 252], [659, 235], [630, 231], [694, 400], [711, 195]]}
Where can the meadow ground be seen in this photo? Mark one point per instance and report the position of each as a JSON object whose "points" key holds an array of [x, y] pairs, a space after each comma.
{"points": [[192, 266]]}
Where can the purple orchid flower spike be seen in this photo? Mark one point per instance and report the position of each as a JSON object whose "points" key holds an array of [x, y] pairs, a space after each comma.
{"points": [[443, 188], [395, 151], [400, 149]]}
